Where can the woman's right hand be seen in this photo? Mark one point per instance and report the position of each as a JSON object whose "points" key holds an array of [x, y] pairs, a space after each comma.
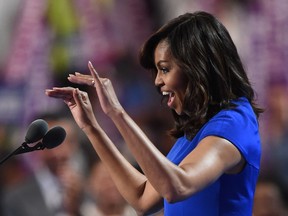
{"points": [[78, 103]]}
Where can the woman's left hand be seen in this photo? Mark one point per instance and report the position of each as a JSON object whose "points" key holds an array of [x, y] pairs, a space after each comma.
{"points": [[104, 88]]}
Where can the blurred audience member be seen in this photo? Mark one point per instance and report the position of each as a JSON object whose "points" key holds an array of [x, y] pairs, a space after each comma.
{"points": [[269, 199], [12, 171], [56, 186], [105, 198], [275, 145]]}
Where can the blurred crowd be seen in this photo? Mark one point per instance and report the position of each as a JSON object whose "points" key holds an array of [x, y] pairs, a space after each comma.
{"points": [[43, 41]]}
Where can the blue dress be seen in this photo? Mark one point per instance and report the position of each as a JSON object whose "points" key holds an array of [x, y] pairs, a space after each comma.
{"points": [[231, 194]]}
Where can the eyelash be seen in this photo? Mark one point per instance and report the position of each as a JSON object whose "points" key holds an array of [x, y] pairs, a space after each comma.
{"points": [[164, 70]]}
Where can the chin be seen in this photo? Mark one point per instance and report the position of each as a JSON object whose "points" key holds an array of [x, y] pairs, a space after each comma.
{"points": [[179, 112], [178, 109]]}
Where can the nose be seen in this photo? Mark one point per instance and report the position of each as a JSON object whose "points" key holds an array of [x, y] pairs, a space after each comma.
{"points": [[158, 79]]}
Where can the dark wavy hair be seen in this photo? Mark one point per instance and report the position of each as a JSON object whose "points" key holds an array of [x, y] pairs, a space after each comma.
{"points": [[205, 52]]}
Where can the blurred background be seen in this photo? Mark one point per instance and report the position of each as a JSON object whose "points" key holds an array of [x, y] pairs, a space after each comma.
{"points": [[41, 42]]}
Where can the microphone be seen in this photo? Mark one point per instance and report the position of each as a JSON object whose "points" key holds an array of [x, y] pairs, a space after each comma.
{"points": [[54, 137], [37, 130]]}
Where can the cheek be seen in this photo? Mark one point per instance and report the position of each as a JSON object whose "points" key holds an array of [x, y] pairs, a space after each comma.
{"points": [[180, 96], [182, 87]]}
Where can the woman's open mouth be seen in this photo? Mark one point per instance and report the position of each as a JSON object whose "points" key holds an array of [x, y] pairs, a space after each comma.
{"points": [[169, 97]]}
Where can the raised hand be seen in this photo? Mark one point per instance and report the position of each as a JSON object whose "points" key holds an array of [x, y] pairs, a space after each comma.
{"points": [[78, 103], [104, 88]]}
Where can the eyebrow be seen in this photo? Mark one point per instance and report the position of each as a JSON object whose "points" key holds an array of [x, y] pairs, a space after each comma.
{"points": [[160, 62]]}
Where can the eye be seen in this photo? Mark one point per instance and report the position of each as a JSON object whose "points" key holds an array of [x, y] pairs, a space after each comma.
{"points": [[164, 70]]}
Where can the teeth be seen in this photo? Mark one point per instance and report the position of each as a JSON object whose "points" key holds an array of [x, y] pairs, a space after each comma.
{"points": [[165, 93]]}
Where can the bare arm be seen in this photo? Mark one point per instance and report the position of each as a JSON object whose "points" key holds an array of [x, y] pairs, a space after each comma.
{"points": [[132, 184], [212, 157]]}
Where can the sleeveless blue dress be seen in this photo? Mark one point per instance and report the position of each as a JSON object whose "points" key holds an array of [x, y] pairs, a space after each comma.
{"points": [[230, 195]]}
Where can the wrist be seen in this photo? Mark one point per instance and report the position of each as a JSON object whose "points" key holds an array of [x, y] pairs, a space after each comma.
{"points": [[91, 129], [116, 114]]}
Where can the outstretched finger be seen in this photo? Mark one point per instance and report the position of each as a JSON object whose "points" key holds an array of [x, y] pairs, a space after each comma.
{"points": [[65, 92], [79, 78], [94, 73]]}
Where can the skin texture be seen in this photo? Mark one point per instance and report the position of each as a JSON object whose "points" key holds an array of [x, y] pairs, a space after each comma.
{"points": [[169, 77], [210, 159]]}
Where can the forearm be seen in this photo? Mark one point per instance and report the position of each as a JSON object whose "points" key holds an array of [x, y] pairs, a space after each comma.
{"points": [[129, 181], [158, 169], [212, 157]]}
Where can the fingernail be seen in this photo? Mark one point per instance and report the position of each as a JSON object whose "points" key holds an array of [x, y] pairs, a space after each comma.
{"points": [[91, 65], [78, 92]]}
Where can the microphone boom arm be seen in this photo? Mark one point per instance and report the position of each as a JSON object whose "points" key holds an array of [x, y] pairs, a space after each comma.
{"points": [[23, 149]]}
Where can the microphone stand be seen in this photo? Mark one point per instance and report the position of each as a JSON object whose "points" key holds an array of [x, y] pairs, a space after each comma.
{"points": [[23, 149]]}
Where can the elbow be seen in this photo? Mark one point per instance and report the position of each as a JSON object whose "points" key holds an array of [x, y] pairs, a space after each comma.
{"points": [[172, 198], [176, 194], [179, 188], [140, 212], [144, 212], [143, 209]]}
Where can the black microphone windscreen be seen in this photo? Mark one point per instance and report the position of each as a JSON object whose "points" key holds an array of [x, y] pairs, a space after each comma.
{"points": [[54, 137], [36, 131]]}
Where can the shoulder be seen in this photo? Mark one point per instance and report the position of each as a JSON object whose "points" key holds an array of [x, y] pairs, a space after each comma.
{"points": [[240, 116], [239, 126]]}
